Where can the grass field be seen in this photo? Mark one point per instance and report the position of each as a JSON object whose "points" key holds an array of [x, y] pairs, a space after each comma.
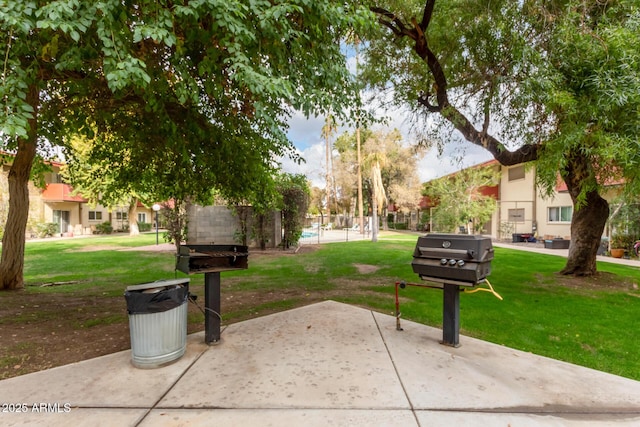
{"points": [[590, 322]]}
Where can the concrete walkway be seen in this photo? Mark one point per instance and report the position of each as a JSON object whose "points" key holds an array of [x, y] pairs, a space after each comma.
{"points": [[532, 247], [325, 364]]}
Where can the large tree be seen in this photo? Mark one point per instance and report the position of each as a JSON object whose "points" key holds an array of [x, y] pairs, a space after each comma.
{"points": [[181, 96], [556, 82], [294, 206], [398, 172]]}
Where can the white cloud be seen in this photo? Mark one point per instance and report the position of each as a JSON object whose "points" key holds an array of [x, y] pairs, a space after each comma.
{"points": [[305, 132], [456, 156], [313, 167], [306, 135]]}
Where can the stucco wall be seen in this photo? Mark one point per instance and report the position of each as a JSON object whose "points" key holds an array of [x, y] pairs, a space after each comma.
{"points": [[219, 224], [517, 195]]}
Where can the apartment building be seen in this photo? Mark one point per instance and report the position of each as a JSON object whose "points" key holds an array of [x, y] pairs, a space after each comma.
{"points": [[521, 210], [58, 204]]}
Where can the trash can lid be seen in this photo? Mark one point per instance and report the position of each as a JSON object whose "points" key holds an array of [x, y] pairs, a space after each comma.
{"points": [[158, 284]]}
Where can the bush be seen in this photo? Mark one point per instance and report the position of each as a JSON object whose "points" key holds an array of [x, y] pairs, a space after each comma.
{"points": [[144, 226], [622, 241], [46, 229], [398, 225], [104, 228]]}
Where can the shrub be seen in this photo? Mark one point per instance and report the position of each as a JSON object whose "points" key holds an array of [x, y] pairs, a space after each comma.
{"points": [[622, 241], [144, 226], [104, 228], [46, 229]]}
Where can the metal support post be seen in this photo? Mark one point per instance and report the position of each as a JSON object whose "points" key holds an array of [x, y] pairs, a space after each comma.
{"points": [[451, 315], [212, 307]]}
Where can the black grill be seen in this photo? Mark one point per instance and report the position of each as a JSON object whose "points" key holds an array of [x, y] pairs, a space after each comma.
{"points": [[458, 259], [212, 260], [451, 261]]}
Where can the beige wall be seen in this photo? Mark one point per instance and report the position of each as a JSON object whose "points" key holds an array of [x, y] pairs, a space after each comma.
{"points": [[517, 207], [522, 207], [553, 228]]}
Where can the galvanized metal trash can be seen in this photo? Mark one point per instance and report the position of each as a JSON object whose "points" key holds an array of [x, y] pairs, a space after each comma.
{"points": [[157, 321]]}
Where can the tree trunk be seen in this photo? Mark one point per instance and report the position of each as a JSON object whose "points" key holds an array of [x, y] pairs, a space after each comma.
{"points": [[589, 219], [13, 240], [261, 225], [132, 215], [374, 221]]}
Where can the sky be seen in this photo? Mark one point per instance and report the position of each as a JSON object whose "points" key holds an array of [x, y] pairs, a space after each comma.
{"points": [[306, 135]]}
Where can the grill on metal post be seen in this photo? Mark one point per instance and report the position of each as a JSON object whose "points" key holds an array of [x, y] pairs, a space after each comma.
{"points": [[450, 261], [212, 260]]}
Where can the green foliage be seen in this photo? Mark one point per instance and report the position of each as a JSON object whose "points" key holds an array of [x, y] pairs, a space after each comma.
{"points": [[460, 198], [553, 82], [425, 220], [254, 210], [177, 99], [104, 228], [243, 213], [553, 77], [625, 217], [144, 226], [398, 225], [46, 229], [187, 95], [176, 222], [398, 170], [622, 240], [295, 203], [594, 92]]}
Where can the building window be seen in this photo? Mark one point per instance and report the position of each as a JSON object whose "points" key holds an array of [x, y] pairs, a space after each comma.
{"points": [[95, 216], [516, 215], [142, 217], [122, 216], [516, 173], [560, 214]]}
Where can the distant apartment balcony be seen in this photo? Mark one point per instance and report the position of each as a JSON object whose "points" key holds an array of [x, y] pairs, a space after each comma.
{"points": [[55, 192]]}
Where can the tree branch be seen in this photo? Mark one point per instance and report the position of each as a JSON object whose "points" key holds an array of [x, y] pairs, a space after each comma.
{"points": [[427, 14], [392, 22], [450, 113]]}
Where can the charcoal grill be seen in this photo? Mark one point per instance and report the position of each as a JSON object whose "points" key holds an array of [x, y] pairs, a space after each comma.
{"points": [[211, 260], [450, 262]]}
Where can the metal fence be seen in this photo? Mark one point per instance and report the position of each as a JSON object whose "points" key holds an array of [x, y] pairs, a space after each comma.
{"points": [[317, 235]]}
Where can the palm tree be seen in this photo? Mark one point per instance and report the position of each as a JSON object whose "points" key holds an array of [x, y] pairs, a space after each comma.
{"points": [[377, 161], [328, 129]]}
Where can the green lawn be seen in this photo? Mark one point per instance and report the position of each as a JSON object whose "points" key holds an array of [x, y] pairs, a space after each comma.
{"points": [[588, 322]]}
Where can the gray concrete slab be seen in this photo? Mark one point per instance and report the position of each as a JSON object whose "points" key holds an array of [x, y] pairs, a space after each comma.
{"points": [[480, 379], [282, 417], [76, 417], [326, 364], [329, 355], [89, 387], [483, 419]]}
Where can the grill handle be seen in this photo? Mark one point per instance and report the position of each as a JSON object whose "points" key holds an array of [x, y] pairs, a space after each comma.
{"points": [[450, 253]]}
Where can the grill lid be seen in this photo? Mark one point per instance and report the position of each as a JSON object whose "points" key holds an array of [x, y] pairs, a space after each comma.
{"points": [[453, 258], [460, 246]]}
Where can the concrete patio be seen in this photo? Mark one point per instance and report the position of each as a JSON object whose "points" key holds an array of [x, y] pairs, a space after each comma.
{"points": [[325, 364]]}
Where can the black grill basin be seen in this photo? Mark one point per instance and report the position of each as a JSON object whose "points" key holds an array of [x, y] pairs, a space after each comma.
{"points": [[459, 259], [212, 260], [196, 258]]}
